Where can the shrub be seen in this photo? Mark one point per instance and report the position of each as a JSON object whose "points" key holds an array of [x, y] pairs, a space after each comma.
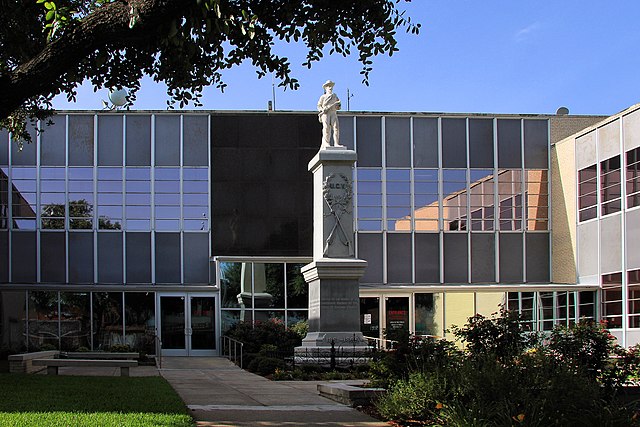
{"points": [[263, 365], [301, 328], [120, 348], [255, 334]]}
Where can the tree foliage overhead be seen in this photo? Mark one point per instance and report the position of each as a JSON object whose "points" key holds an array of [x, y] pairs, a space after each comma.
{"points": [[49, 47]]}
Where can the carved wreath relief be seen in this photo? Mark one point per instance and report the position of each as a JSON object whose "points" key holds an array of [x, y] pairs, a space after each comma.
{"points": [[338, 193]]}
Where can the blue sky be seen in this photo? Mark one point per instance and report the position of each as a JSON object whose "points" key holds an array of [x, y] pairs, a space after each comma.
{"points": [[487, 57]]}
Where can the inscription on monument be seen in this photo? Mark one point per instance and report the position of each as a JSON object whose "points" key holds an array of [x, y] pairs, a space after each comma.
{"points": [[337, 193]]}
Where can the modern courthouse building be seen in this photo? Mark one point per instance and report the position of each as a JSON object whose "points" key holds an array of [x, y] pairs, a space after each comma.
{"points": [[117, 227]]}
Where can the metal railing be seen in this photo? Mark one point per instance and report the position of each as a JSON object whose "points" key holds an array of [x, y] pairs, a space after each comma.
{"points": [[158, 344], [381, 343], [232, 349]]}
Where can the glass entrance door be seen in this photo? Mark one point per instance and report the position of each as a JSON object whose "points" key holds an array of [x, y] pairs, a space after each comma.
{"points": [[187, 324]]}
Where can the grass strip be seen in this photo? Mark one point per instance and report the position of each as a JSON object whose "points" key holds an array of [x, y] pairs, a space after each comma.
{"points": [[41, 400]]}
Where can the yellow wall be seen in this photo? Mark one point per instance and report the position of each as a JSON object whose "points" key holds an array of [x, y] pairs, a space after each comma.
{"points": [[563, 212]]}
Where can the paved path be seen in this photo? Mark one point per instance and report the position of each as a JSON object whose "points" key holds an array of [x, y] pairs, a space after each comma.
{"points": [[218, 393]]}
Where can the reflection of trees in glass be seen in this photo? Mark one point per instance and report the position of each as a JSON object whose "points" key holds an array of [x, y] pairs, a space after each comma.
{"points": [[230, 275], [297, 288], [274, 286], [54, 213]]}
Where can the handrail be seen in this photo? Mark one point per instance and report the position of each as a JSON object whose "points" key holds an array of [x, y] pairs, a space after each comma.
{"points": [[158, 344], [230, 349], [382, 343]]}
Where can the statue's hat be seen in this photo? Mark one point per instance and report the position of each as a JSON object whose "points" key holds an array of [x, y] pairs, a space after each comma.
{"points": [[328, 83]]}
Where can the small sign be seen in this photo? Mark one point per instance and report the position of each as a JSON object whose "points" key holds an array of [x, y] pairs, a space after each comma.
{"points": [[367, 319]]}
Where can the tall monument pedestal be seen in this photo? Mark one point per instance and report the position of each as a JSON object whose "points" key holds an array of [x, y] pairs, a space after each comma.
{"points": [[333, 276]]}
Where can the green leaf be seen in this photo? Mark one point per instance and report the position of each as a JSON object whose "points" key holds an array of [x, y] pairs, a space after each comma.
{"points": [[48, 5], [50, 15]]}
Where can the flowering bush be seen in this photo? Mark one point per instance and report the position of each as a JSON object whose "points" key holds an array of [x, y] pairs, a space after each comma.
{"points": [[506, 376]]}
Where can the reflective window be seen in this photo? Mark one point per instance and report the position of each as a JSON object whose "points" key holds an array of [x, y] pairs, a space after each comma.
{"points": [[510, 197], [537, 187], [80, 198], [587, 193], [428, 313], [610, 186], [633, 178], [140, 322], [398, 199], [481, 189], [262, 291], [167, 199], [369, 199], [425, 199], [107, 320], [23, 198], [110, 200], [633, 278], [4, 198], [195, 198], [52, 198], [75, 323], [612, 299], [454, 199], [43, 325], [138, 199]]}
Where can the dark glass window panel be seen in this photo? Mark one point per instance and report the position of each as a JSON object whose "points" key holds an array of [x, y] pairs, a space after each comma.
{"points": [[538, 268], [196, 140], [481, 143], [455, 258], [454, 143], [53, 142], [509, 143], [511, 269], [138, 140], [398, 141], [43, 323], [268, 285], [196, 258], [80, 257], [53, 257], [110, 258], [109, 140], [297, 287], [80, 140], [536, 144], [107, 320], [399, 258], [4, 256], [138, 257], [168, 258], [369, 141], [75, 321], [588, 214], [483, 257], [24, 155], [4, 147], [370, 317], [370, 249], [23, 257], [139, 321], [346, 131], [167, 144], [425, 142]]}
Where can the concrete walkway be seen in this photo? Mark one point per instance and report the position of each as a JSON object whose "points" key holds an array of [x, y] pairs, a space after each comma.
{"points": [[218, 393]]}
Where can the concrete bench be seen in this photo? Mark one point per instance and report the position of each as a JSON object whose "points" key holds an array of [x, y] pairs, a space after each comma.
{"points": [[53, 364], [100, 355], [23, 363]]}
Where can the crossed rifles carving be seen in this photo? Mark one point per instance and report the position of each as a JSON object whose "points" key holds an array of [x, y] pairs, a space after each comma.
{"points": [[338, 205]]}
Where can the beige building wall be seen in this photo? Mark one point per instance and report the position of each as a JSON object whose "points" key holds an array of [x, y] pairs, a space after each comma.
{"points": [[563, 211]]}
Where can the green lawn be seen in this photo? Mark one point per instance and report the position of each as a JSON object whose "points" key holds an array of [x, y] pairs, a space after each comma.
{"points": [[41, 400]]}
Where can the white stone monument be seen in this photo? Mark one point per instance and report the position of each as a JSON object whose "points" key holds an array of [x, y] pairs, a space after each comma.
{"points": [[333, 276]]}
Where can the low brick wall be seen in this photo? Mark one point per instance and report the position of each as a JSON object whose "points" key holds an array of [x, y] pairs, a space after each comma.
{"points": [[22, 363]]}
